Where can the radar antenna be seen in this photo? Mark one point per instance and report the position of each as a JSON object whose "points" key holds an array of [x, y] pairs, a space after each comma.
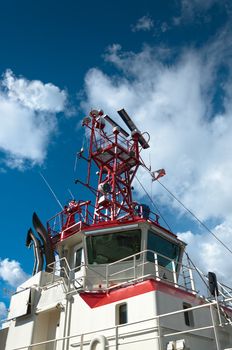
{"points": [[114, 124], [133, 128]]}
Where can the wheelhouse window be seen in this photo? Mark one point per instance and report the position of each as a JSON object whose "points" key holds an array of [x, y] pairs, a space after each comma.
{"points": [[108, 248], [163, 247], [78, 259]]}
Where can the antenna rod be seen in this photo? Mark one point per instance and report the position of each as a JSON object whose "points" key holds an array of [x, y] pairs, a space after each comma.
{"points": [[71, 193], [51, 190]]}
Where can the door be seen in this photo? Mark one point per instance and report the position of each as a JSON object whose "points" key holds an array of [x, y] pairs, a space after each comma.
{"points": [[79, 266]]}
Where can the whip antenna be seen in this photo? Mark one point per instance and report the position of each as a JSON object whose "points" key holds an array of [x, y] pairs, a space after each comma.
{"points": [[71, 194], [53, 193]]}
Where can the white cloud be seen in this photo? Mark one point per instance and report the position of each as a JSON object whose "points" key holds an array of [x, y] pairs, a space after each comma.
{"points": [[164, 27], [144, 23], [34, 94], [11, 272], [195, 9], [190, 6], [3, 311], [210, 255], [28, 119], [174, 103]]}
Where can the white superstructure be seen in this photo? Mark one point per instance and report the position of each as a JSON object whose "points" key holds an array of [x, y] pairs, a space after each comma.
{"points": [[147, 300], [120, 285]]}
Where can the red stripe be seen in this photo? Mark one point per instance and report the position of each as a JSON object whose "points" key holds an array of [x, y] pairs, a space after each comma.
{"points": [[100, 298]]}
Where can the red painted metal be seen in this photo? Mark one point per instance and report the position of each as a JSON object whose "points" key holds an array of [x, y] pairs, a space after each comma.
{"points": [[115, 159], [101, 298], [75, 216]]}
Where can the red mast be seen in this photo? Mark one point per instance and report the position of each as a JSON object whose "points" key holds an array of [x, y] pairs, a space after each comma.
{"points": [[117, 158], [115, 155]]}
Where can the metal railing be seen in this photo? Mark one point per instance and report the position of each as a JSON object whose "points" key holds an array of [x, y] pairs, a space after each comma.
{"points": [[66, 223], [224, 292], [109, 140], [130, 269], [174, 272], [149, 329]]}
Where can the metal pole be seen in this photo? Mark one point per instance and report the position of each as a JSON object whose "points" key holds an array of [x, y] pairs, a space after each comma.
{"points": [[107, 276], [174, 273], [218, 310], [215, 328], [191, 279], [143, 263], [116, 338], [159, 333], [134, 259], [82, 341], [156, 266]]}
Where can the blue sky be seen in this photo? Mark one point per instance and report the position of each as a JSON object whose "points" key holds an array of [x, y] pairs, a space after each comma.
{"points": [[167, 62]]}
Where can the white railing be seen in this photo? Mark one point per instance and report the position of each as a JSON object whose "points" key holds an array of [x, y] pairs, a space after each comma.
{"points": [[121, 335], [127, 270], [132, 269], [224, 292], [178, 274]]}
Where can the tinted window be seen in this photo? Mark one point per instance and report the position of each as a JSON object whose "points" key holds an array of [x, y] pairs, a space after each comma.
{"points": [[107, 248], [162, 246], [122, 314], [78, 258], [188, 315]]}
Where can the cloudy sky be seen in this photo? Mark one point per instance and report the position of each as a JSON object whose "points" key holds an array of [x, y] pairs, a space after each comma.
{"points": [[168, 63]]}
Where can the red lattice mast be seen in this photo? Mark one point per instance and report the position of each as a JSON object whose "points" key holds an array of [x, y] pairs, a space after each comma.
{"points": [[117, 157]]}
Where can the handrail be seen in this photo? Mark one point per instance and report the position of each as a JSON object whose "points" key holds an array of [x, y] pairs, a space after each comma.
{"points": [[151, 251], [223, 289], [177, 270], [130, 269], [117, 335]]}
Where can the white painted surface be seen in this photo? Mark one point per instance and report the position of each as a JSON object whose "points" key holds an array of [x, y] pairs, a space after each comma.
{"points": [[19, 304], [20, 333], [141, 331], [51, 296], [45, 329]]}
